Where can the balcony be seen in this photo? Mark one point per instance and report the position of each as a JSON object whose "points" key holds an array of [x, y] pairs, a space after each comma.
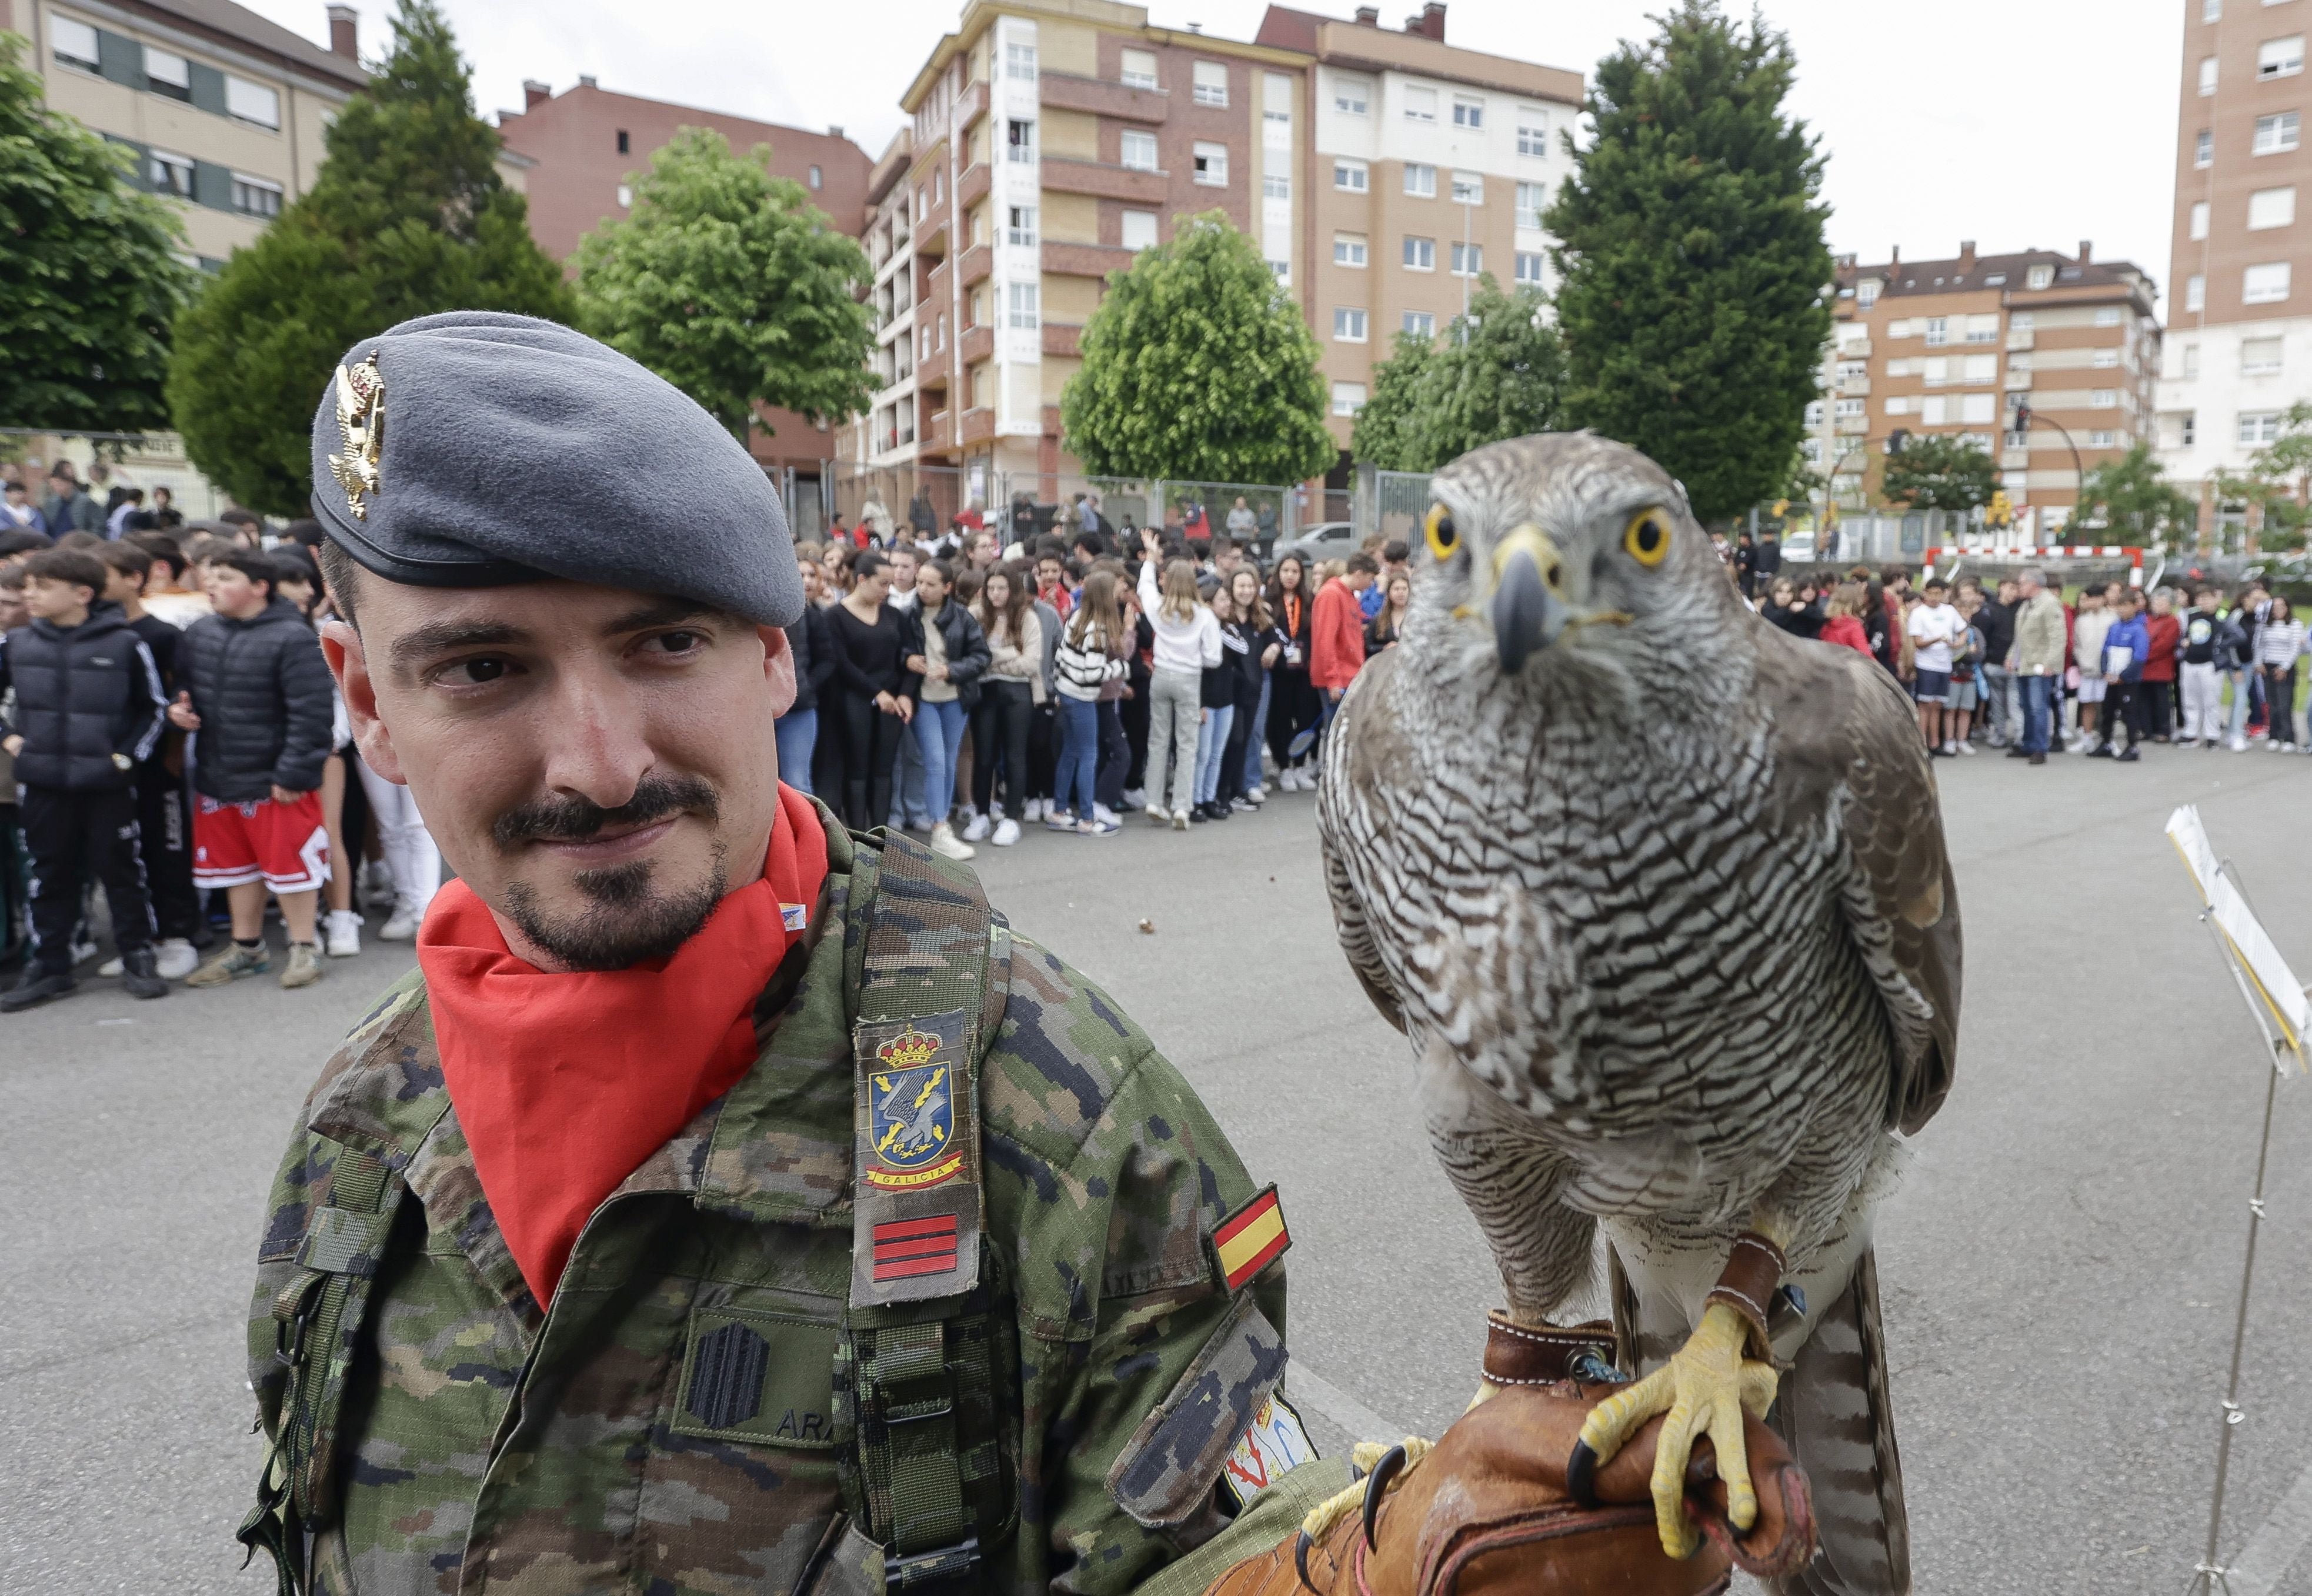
{"points": [[2018, 340], [2015, 459], [932, 372], [975, 344], [1854, 424], [978, 427], [1064, 91], [1066, 175], [2017, 380], [971, 106], [931, 238], [971, 187], [1855, 349], [1085, 261], [1063, 338], [1854, 386], [974, 265], [935, 292]]}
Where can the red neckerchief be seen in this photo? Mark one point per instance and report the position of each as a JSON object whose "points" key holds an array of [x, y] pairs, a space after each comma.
{"points": [[566, 1081]]}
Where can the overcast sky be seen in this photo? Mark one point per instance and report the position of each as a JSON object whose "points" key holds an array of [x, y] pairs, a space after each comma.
{"points": [[2016, 123]]}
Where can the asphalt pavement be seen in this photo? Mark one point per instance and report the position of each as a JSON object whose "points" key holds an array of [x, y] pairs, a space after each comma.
{"points": [[2060, 1272]]}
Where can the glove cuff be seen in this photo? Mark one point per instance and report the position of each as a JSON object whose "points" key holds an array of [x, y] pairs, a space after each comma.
{"points": [[1753, 1270], [1542, 1354]]}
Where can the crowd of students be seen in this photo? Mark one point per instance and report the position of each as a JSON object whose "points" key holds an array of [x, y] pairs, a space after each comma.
{"points": [[969, 691], [2021, 667], [173, 735]]}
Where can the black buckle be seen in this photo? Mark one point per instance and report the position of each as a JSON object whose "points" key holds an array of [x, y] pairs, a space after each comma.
{"points": [[921, 1571]]}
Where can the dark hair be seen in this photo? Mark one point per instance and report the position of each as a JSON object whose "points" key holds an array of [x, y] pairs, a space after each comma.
{"points": [[12, 578], [72, 567], [163, 549], [206, 547], [237, 516], [307, 532], [23, 540], [13, 483], [946, 572], [128, 559], [1935, 585], [867, 562], [257, 567], [1276, 581], [79, 540], [342, 577], [1361, 561], [1397, 551], [295, 565], [1893, 575]]}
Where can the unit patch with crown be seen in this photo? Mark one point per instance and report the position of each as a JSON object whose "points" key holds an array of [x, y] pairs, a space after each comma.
{"points": [[911, 1101]]}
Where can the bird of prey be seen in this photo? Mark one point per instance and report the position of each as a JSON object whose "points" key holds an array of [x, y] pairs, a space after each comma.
{"points": [[1658, 895]]}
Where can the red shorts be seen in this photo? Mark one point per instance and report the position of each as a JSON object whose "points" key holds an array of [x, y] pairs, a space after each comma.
{"points": [[285, 845]]}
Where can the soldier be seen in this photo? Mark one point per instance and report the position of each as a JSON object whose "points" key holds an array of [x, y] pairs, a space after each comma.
{"points": [[726, 1202]]}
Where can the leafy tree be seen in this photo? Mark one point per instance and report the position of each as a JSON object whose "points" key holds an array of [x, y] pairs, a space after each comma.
{"points": [[1381, 433], [1691, 258], [1197, 365], [1936, 472], [90, 279], [407, 216], [1499, 372], [2129, 495], [730, 284]]}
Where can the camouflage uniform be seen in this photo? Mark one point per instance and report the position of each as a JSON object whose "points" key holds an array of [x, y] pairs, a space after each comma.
{"points": [[483, 1444]]}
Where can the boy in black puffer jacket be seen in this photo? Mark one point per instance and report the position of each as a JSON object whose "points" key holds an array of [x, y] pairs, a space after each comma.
{"points": [[89, 704]]}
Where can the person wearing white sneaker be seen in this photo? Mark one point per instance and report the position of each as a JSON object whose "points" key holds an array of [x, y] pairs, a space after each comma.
{"points": [[1009, 693], [976, 829], [946, 653], [341, 934], [1007, 832], [412, 862]]}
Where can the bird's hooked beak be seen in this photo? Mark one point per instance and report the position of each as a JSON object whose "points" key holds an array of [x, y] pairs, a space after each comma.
{"points": [[1530, 608]]}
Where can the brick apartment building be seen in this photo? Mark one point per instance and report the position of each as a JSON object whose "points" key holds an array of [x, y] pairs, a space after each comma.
{"points": [[2239, 340], [582, 150], [1950, 347]]}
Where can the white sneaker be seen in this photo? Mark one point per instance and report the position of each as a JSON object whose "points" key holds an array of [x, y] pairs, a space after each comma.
{"points": [[1966, 748], [2239, 745], [1156, 813], [113, 966], [1056, 819], [82, 953], [1007, 832], [978, 829], [341, 934], [1179, 820], [1103, 815], [1133, 797], [401, 926], [1032, 810], [945, 844], [1256, 796], [177, 960]]}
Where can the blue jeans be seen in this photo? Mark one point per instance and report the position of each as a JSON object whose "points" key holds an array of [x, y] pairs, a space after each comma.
{"points": [[1252, 744], [2242, 697], [1072, 783], [798, 735], [1211, 741], [939, 734], [2035, 711]]}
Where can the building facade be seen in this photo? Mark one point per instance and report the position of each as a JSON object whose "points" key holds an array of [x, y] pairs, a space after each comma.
{"points": [[225, 111], [2239, 340], [1953, 347]]}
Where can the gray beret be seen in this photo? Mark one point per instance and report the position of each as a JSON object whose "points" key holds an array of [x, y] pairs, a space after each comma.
{"points": [[475, 449]]}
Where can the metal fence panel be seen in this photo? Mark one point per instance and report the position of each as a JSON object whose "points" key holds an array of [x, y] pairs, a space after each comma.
{"points": [[926, 498], [1398, 501]]}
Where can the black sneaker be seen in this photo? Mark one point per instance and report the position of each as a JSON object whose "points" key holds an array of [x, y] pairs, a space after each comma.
{"points": [[1216, 809], [2102, 750], [2130, 755], [1198, 815], [38, 986], [140, 975], [2019, 752]]}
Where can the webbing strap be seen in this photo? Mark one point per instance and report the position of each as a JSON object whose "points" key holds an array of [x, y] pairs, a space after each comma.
{"points": [[341, 1249], [927, 939]]}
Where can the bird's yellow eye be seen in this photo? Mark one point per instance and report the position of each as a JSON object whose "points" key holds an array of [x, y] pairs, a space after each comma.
{"points": [[1443, 536], [1647, 536]]}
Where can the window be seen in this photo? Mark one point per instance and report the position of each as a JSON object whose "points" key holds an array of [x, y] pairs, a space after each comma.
{"points": [[1352, 96], [2190, 427], [1421, 253], [1349, 176], [2275, 134], [2207, 75], [1934, 410], [2204, 149], [2039, 277], [1468, 189], [1138, 69], [1275, 186], [626, 143], [939, 186], [256, 196], [818, 177], [1813, 413], [1348, 325], [1020, 225], [2275, 58], [2015, 440], [2259, 357], [1533, 134], [252, 102], [165, 74], [2211, 10], [942, 342], [74, 43], [1138, 151], [2265, 284], [1938, 331], [2199, 219], [1210, 83], [1282, 270], [1978, 409], [2270, 207], [1981, 368], [1019, 141], [1854, 370], [1935, 370], [1023, 305], [1020, 61], [1468, 113], [1348, 398], [1531, 197], [1421, 324], [1420, 105], [1866, 293], [2190, 366], [2259, 427], [626, 197], [1421, 181], [1211, 164], [1139, 230], [2103, 399], [1468, 259], [1984, 328], [1528, 269], [169, 174], [2103, 440], [1850, 408], [2195, 292], [2105, 358], [1349, 249]]}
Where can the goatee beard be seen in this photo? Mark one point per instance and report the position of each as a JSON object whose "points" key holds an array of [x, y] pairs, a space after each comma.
{"points": [[623, 922]]}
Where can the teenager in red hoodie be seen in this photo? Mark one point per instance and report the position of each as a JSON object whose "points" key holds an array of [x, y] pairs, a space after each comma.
{"points": [[1337, 639]]}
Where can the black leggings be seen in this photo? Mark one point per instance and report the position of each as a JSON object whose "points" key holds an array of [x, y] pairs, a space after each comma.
{"points": [[1293, 707], [999, 732], [1113, 761], [871, 742]]}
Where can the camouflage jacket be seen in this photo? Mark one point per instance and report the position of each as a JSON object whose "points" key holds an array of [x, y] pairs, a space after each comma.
{"points": [[485, 1444]]}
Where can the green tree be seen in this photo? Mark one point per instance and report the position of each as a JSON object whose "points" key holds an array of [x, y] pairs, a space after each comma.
{"points": [[1381, 435], [2130, 496], [1691, 258], [1499, 372], [1197, 365], [407, 216], [90, 280], [730, 284], [1938, 472]]}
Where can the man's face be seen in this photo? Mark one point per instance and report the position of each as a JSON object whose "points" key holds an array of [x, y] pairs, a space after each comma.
{"points": [[2007, 591], [1359, 581], [597, 765], [121, 586], [2090, 600], [234, 596], [63, 488], [47, 599], [983, 549], [1228, 559], [1047, 572], [2160, 605]]}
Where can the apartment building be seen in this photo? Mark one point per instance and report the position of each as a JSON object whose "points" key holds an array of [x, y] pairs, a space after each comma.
{"points": [[1430, 164], [888, 431], [223, 110], [2239, 337], [1951, 347]]}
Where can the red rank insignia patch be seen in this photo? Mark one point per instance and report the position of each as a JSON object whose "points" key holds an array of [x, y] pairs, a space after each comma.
{"points": [[905, 1247], [1252, 1238]]}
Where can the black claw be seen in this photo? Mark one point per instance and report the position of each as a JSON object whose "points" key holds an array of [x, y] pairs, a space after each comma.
{"points": [[1391, 1464], [1300, 1558], [1581, 1474]]}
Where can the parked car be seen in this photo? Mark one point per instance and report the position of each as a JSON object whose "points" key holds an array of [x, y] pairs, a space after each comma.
{"points": [[1326, 540]]}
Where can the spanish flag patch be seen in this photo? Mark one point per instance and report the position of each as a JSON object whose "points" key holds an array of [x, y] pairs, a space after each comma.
{"points": [[1252, 1238]]}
